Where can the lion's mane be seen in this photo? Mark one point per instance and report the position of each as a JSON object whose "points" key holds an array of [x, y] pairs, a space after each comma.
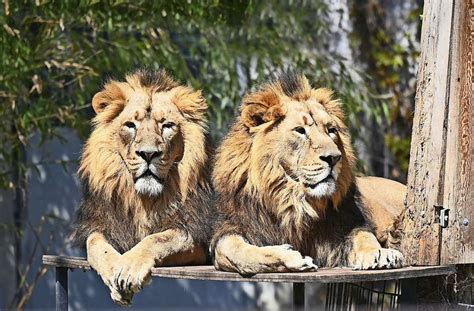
{"points": [[265, 208], [110, 203]]}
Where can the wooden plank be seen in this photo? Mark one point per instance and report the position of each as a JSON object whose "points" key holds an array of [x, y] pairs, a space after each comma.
{"points": [[421, 244], [66, 262], [324, 275], [458, 237]]}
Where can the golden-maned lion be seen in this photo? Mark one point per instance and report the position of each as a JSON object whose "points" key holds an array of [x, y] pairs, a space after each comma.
{"points": [[286, 190], [146, 182]]}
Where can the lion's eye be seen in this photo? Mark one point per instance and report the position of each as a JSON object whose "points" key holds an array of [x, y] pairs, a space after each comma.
{"points": [[130, 125], [300, 130], [168, 125], [332, 130]]}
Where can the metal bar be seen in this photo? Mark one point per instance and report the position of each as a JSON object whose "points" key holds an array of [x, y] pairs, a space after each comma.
{"points": [[351, 294], [298, 296], [334, 295], [328, 295], [370, 295], [346, 295], [383, 293], [399, 292], [61, 289]]}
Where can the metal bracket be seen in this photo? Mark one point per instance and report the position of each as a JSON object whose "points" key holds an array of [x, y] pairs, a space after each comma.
{"points": [[442, 216]]}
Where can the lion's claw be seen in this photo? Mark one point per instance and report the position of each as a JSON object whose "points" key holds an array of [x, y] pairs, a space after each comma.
{"points": [[382, 258], [308, 264], [133, 275], [123, 299]]}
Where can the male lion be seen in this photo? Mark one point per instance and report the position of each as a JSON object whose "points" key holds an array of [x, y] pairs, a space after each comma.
{"points": [[145, 180], [284, 179]]}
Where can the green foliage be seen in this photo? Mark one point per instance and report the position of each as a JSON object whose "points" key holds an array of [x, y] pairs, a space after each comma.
{"points": [[390, 55], [400, 147], [56, 55]]}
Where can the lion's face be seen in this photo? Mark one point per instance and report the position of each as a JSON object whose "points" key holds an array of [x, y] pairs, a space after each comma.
{"points": [[307, 146], [299, 146], [150, 141], [289, 151]]}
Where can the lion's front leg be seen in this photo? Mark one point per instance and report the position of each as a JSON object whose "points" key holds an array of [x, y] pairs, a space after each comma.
{"points": [[232, 253], [136, 264], [104, 259], [367, 253]]}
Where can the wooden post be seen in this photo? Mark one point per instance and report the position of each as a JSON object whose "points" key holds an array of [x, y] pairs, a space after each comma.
{"points": [[438, 132], [61, 289], [458, 238]]}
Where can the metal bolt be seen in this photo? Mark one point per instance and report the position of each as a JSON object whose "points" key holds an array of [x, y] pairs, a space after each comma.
{"points": [[465, 221]]}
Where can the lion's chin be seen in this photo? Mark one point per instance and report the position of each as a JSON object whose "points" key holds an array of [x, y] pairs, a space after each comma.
{"points": [[323, 189], [149, 186]]}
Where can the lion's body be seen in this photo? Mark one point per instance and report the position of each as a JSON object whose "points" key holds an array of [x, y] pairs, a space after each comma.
{"points": [[146, 181], [125, 226], [326, 240], [270, 177], [383, 199]]}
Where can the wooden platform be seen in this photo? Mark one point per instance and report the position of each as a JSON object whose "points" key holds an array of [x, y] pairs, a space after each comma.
{"points": [[323, 275]]}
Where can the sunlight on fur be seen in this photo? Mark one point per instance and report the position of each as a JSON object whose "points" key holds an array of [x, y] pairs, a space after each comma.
{"points": [[272, 162], [284, 175], [147, 150]]}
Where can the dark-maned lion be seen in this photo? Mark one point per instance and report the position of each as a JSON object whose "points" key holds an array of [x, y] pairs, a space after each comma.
{"points": [[284, 176], [146, 183]]}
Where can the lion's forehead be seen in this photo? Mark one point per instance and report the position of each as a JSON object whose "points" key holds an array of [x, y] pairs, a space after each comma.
{"points": [[157, 106], [307, 112]]}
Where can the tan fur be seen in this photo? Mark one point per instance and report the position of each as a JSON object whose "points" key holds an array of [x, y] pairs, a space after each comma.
{"points": [[384, 200], [367, 253], [240, 153], [250, 259], [104, 169], [270, 175], [128, 231]]}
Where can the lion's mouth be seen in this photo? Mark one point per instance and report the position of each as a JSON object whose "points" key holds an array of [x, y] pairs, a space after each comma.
{"points": [[149, 174], [313, 185]]}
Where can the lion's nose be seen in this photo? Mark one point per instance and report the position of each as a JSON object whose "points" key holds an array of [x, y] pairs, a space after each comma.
{"points": [[331, 158], [148, 155]]}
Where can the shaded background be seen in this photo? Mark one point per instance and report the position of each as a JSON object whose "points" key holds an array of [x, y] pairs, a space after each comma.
{"points": [[56, 54]]}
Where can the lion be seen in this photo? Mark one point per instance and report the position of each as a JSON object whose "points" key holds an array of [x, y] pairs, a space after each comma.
{"points": [[287, 195], [146, 183]]}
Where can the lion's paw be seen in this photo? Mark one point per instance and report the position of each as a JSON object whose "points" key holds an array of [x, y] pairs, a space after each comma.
{"points": [[382, 258], [106, 272], [123, 299], [294, 261], [133, 274]]}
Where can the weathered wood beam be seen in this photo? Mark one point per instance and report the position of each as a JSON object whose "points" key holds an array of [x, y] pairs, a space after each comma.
{"points": [[421, 245], [458, 237], [324, 275]]}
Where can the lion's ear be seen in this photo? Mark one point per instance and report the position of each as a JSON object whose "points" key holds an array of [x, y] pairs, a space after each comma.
{"points": [[252, 115], [100, 101], [263, 110], [111, 94], [192, 104]]}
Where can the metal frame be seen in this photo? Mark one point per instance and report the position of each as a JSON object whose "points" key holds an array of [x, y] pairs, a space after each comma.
{"points": [[62, 293], [61, 288], [346, 287]]}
